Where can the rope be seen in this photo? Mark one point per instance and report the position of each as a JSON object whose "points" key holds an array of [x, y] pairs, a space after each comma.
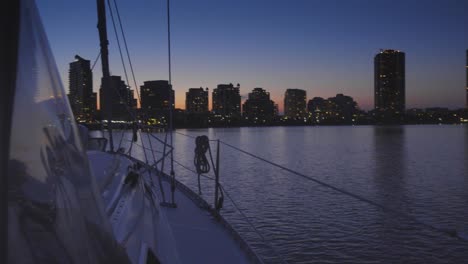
{"points": [[200, 161]]}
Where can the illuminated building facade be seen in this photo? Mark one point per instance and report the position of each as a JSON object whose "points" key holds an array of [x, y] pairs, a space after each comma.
{"points": [[295, 103], [389, 82], [122, 98], [196, 101], [338, 109], [155, 99], [259, 108], [81, 96], [227, 101]]}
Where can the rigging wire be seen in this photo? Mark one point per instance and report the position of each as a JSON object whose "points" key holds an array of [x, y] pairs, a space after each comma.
{"points": [[386, 209], [253, 226], [223, 189], [130, 111], [350, 194], [128, 57], [96, 60], [127, 51], [118, 40]]}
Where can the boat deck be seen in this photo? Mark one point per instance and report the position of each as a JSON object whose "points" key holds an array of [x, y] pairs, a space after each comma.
{"points": [[189, 233]]}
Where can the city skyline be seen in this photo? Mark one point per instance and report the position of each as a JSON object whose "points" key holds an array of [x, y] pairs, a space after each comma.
{"points": [[280, 45], [389, 79]]}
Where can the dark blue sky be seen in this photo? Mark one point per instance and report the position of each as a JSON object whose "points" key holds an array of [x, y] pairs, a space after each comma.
{"points": [[324, 47]]}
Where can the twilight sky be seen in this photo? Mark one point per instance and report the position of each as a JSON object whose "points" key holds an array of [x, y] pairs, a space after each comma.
{"points": [[325, 47]]}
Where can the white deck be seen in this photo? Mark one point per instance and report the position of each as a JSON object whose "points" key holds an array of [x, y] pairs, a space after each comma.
{"points": [[186, 234]]}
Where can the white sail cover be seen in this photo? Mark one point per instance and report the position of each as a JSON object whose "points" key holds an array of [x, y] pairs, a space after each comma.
{"points": [[55, 213]]}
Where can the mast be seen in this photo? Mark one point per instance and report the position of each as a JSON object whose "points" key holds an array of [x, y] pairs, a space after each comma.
{"points": [[106, 85]]}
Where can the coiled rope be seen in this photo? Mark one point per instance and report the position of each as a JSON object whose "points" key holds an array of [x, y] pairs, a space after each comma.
{"points": [[202, 144], [202, 165]]}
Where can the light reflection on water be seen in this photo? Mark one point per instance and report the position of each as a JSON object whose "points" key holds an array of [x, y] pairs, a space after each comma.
{"points": [[421, 171]]}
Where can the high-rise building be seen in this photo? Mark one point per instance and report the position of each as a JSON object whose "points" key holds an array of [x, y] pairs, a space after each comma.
{"points": [[389, 82], [338, 109], [81, 96], [196, 101], [156, 97], [344, 107], [122, 98], [317, 107], [295, 103], [227, 100], [466, 87], [259, 108]]}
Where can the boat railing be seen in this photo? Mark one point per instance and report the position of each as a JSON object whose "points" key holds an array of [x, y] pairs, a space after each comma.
{"points": [[155, 151]]}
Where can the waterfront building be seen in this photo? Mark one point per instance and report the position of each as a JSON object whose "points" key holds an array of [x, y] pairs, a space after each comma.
{"points": [[339, 109], [259, 108], [389, 83], [227, 101], [123, 102], [295, 103], [196, 101], [155, 100], [155, 95], [81, 96]]}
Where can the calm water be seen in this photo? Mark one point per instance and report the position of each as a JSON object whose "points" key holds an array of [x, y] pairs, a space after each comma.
{"points": [[421, 171]]}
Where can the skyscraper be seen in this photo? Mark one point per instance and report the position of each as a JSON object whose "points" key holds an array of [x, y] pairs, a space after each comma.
{"points": [[227, 100], [389, 82], [81, 96], [334, 110], [259, 108], [295, 103], [317, 107], [122, 98], [155, 98], [196, 101]]}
